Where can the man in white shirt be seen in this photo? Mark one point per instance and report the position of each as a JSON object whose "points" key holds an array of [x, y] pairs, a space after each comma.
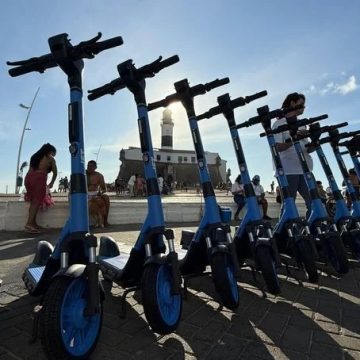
{"points": [[237, 189], [131, 184], [288, 156], [260, 194]]}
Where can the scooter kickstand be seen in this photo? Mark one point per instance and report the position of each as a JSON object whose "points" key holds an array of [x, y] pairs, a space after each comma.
{"points": [[35, 328], [123, 301]]}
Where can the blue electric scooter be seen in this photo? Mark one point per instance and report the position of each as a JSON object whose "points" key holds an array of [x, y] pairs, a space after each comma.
{"points": [[70, 314], [212, 243], [322, 227], [348, 224], [353, 148], [253, 238], [146, 267], [292, 233]]}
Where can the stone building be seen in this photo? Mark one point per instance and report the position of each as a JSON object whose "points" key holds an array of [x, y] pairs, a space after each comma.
{"points": [[179, 164]]}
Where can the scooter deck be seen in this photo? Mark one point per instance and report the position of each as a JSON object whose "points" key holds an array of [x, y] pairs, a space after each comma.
{"points": [[32, 276], [116, 263]]}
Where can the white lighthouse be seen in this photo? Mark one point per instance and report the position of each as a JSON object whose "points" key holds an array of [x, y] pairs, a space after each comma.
{"points": [[167, 130]]}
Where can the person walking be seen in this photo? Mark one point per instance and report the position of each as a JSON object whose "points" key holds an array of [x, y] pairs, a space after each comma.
{"points": [[288, 155], [41, 164]]}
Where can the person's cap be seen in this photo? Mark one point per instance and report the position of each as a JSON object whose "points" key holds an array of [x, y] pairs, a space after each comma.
{"points": [[256, 177]]}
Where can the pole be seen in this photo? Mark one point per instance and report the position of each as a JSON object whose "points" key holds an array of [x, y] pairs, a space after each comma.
{"points": [[21, 140], [97, 154]]}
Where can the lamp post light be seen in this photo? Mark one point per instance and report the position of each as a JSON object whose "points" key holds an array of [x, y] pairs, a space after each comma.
{"points": [[28, 108]]}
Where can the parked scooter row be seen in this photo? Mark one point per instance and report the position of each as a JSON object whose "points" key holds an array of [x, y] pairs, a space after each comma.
{"points": [[69, 317]]}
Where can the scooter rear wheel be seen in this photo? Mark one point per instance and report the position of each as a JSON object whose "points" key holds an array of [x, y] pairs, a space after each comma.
{"points": [[266, 264], [222, 270], [66, 333], [305, 254], [336, 253], [162, 308]]}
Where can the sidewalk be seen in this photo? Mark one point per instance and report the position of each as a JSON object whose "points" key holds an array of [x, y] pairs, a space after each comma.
{"points": [[310, 322]]}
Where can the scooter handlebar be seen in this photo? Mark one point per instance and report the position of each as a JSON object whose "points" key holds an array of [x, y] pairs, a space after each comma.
{"points": [[240, 101], [85, 49], [199, 89]]}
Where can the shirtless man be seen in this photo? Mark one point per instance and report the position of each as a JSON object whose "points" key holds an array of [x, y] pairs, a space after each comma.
{"points": [[41, 163], [96, 186]]}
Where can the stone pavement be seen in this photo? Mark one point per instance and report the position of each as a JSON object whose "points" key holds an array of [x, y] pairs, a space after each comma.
{"points": [[310, 322]]}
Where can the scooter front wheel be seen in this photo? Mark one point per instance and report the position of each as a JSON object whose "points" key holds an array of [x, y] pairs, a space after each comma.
{"points": [[336, 253], [66, 333], [266, 264], [305, 255], [222, 271], [162, 308]]}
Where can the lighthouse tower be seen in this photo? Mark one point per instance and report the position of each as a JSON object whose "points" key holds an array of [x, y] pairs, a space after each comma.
{"points": [[167, 130]]}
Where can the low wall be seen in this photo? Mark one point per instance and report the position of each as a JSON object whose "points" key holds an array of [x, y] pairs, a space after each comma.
{"points": [[13, 214]]}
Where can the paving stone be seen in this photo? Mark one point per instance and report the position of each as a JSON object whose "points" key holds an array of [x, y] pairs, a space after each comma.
{"points": [[329, 327], [8, 356], [228, 347], [242, 328], [329, 313], [139, 341], [213, 330], [351, 355], [26, 349], [154, 351], [257, 350], [296, 338], [202, 317], [273, 326], [303, 319], [6, 298], [350, 326], [111, 337], [322, 351], [337, 340]]}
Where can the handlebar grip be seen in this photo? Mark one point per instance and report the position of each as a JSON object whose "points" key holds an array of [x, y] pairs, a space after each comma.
{"points": [[168, 62], [109, 88], [255, 96], [38, 64], [107, 44], [337, 126], [318, 118], [216, 83]]}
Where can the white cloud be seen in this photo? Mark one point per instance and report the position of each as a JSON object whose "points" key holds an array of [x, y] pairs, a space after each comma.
{"points": [[348, 87], [334, 87]]}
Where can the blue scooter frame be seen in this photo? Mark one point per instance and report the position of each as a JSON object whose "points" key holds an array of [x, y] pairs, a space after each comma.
{"points": [[348, 223], [292, 232], [212, 243], [146, 265], [70, 315], [321, 225], [253, 237]]}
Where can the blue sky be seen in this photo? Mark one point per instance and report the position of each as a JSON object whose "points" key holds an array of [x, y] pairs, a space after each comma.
{"points": [[281, 46]]}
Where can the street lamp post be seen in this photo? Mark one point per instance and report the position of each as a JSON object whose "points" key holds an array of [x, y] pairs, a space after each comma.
{"points": [[29, 108]]}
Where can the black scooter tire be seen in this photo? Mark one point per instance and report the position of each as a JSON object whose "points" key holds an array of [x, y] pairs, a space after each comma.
{"points": [[265, 262], [52, 318], [222, 272], [336, 254], [162, 309], [305, 255]]}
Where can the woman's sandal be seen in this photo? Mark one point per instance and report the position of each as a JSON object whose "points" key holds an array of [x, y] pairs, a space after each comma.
{"points": [[31, 230]]}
